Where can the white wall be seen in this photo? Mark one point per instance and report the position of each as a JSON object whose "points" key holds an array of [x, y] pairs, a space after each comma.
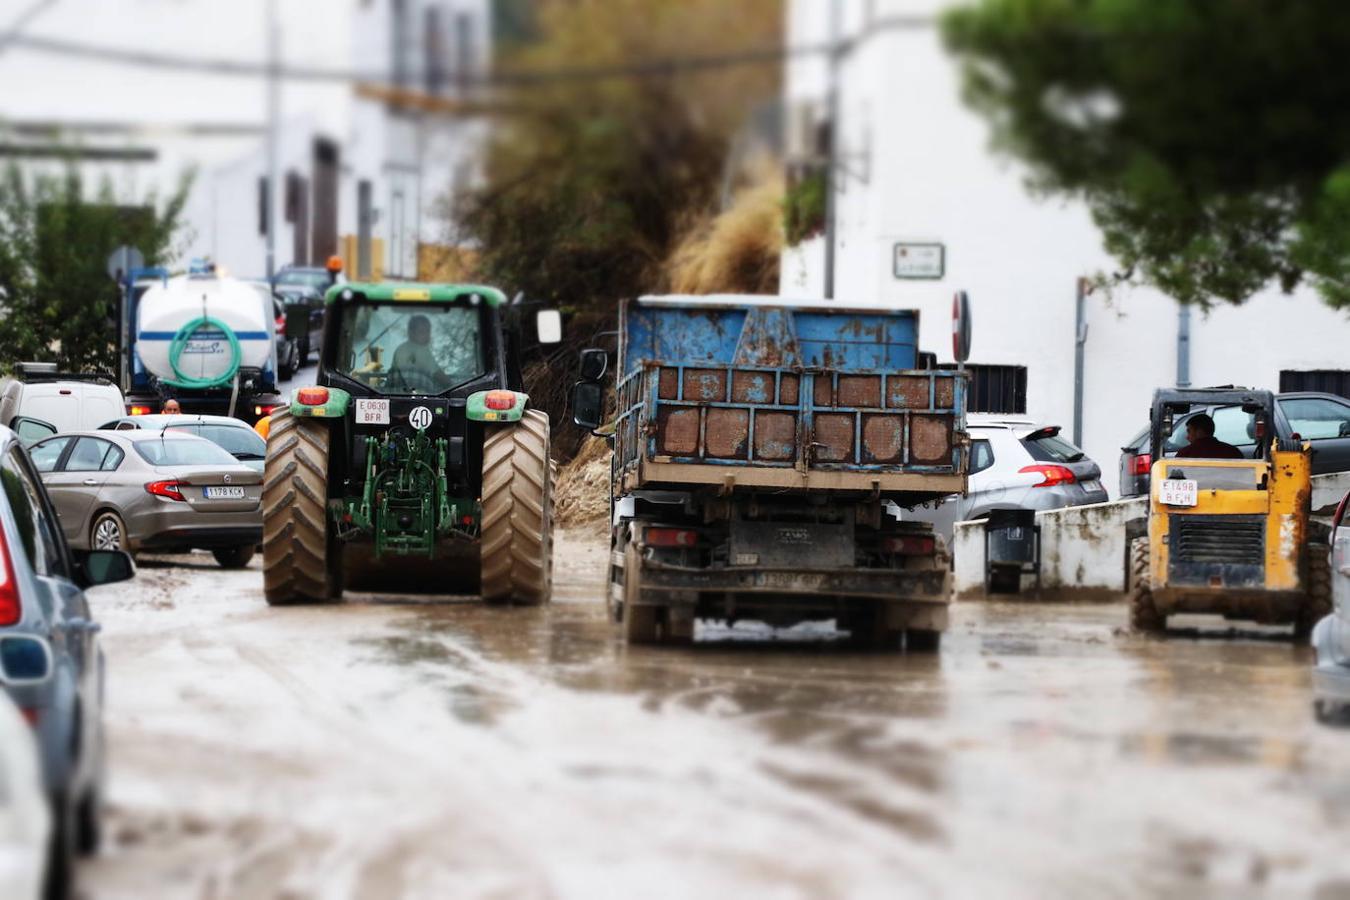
{"points": [[919, 168]]}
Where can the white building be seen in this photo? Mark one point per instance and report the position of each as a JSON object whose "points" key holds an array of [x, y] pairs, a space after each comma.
{"points": [[917, 169], [340, 140]]}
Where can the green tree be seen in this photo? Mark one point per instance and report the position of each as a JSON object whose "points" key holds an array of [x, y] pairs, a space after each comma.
{"points": [[56, 300], [1208, 137]]}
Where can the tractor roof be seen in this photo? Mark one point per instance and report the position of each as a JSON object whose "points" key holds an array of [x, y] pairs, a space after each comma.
{"points": [[412, 292]]}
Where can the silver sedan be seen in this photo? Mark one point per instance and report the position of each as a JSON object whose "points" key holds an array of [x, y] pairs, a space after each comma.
{"points": [[152, 490]]}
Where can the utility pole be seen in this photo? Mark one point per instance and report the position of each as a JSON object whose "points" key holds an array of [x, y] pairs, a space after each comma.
{"points": [[1183, 345], [273, 126], [1079, 358], [832, 151]]}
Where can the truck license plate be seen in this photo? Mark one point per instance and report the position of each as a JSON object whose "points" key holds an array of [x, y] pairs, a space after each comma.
{"points": [[224, 493], [372, 412], [1176, 492]]}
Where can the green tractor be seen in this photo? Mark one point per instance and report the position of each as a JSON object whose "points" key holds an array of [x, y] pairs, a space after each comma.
{"points": [[416, 438]]}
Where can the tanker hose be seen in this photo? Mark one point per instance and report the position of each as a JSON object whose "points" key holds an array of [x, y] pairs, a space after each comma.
{"points": [[180, 342]]}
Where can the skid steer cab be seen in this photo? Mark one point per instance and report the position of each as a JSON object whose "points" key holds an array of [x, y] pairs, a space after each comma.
{"points": [[1228, 533], [417, 441]]}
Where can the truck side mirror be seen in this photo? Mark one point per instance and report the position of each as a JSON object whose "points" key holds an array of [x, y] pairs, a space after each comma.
{"points": [[588, 404], [594, 364], [548, 326]]}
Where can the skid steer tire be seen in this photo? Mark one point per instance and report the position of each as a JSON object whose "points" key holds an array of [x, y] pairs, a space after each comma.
{"points": [[297, 539], [1317, 600], [1144, 616], [517, 523]]}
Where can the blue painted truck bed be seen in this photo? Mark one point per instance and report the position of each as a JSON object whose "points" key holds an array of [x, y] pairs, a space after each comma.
{"points": [[773, 393]]}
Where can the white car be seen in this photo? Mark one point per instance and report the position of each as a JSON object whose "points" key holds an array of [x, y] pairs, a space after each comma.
{"points": [[1331, 636], [25, 819], [41, 402]]}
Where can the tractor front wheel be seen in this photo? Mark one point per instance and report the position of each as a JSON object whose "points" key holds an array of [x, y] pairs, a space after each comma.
{"points": [[517, 523], [301, 560], [1317, 598], [1144, 614]]}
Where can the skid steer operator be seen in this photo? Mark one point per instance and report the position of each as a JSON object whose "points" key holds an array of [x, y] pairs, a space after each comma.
{"points": [[1203, 444]]}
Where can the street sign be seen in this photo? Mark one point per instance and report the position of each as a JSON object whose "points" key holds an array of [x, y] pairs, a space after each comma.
{"points": [[961, 326], [920, 261], [123, 260]]}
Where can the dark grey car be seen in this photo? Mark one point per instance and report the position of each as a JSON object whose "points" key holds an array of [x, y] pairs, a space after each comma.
{"points": [[46, 628]]}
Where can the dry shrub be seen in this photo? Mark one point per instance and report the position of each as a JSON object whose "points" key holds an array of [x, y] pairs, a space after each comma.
{"points": [[737, 251], [581, 496]]}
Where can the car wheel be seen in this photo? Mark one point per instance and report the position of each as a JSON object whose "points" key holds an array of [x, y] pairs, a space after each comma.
{"points": [[108, 532], [233, 557], [304, 352], [60, 876]]}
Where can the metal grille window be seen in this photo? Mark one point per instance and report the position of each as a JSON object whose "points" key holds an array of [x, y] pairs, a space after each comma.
{"points": [[1327, 381], [996, 389]]}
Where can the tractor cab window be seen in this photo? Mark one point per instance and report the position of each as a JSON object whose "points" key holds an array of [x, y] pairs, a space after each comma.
{"points": [[400, 348]]}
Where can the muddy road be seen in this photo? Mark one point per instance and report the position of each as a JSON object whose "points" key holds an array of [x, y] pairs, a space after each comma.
{"points": [[396, 747]]}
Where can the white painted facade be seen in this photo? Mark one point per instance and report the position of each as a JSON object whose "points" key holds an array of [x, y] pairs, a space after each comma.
{"points": [[918, 167], [411, 162]]}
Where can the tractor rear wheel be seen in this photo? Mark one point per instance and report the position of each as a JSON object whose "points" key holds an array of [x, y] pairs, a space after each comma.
{"points": [[1317, 599], [301, 560], [1144, 614], [517, 524]]}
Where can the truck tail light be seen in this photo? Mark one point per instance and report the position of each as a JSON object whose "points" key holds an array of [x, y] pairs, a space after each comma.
{"points": [[499, 400], [312, 396], [910, 545], [10, 608], [170, 489], [1141, 465], [139, 409], [671, 537], [1050, 475]]}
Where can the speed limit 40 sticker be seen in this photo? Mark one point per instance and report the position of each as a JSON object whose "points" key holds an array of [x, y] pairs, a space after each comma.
{"points": [[420, 418]]}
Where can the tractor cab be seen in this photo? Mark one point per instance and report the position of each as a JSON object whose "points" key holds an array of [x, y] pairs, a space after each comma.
{"points": [[1228, 525]]}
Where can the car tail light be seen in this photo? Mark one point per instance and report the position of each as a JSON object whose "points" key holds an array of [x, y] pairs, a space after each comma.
{"points": [[30, 715], [138, 409], [170, 489], [1141, 464], [281, 324], [10, 608], [671, 537], [312, 396], [499, 400], [267, 410], [910, 545], [1050, 475]]}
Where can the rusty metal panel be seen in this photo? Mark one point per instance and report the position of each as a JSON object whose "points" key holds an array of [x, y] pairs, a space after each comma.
{"points": [[668, 388], [677, 430], [705, 384], [789, 386], [833, 437], [907, 392], [883, 438], [752, 387], [930, 439], [727, 434], [860, 391], [944, 393], [775, 436], [824, 390]]}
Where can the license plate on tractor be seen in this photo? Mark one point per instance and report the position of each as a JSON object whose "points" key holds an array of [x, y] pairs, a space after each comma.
{"points": [[223, 493], [372, 412], [1178, 492]]}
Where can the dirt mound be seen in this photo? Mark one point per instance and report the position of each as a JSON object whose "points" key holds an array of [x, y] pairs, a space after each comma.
{"points": [[581, 496]]}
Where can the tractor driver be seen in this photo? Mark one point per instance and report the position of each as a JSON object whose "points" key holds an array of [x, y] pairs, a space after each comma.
{"points": [[413, 360], [1203, 444]]}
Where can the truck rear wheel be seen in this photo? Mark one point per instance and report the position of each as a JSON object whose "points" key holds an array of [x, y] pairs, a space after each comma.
{"points": [[517, 525], [1317, 599], [301, 563], [1144, 614], [641, 624]]}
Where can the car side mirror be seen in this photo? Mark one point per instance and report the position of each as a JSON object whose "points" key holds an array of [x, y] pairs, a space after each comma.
{"points": [[588, 404], [97, 567], [24, 659], [594, 363], [548, 326], [1344, 430], [30, 431]]}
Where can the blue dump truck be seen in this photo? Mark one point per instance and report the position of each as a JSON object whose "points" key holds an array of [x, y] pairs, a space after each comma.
{"points": [[763, 450]]}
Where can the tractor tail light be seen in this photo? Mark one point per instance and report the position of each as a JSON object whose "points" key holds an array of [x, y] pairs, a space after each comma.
{"points": [[138, 409], [10, 608], [169, 489], [499, 400], [1141, 465], [312, 396], [1050, 475], [671, 537], [910, 545]]}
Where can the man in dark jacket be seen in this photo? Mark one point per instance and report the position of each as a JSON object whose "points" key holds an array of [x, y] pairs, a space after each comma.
{"points": [[1203, 444]]}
